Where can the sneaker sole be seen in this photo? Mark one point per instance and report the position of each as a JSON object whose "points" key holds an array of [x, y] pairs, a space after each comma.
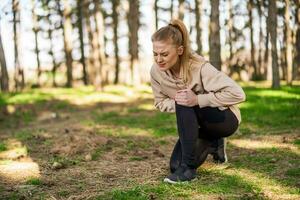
{"points": [[166, 180]]}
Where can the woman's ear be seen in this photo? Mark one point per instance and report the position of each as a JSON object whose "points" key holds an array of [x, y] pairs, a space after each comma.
{"points": [[180, 50]]}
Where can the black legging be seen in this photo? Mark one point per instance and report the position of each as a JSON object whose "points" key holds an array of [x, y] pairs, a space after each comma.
{"points": [[197, 127]]}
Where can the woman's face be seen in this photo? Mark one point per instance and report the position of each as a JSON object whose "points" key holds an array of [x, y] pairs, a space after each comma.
{"points": [[166, 54]]}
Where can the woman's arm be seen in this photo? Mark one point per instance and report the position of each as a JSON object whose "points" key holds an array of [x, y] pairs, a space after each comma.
{"points": [[161, 100], [221, 90]]}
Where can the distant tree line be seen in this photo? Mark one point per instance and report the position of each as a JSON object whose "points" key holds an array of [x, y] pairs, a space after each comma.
{"points": [[87, 26]]}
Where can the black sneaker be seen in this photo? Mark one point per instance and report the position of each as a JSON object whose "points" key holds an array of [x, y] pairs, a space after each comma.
{"points": [[219, 151], [182, 174]]}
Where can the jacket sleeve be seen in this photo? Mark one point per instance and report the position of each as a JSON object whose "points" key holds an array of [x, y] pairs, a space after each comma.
{"points": [[221, 91], [161, 100]]}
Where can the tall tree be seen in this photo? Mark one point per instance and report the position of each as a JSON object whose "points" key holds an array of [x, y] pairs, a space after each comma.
{"points": [[115, 16], [214, 35], [19, 73], [80, 30], [133, 25], [198, 13], [253, 62], [288, 42], [230, 29], [267, 38], [181, 9], [259, 5], [156, 13], [272, 26], [36, 32], [4, 80], [67, 36], [99, 27], [297, 43]]}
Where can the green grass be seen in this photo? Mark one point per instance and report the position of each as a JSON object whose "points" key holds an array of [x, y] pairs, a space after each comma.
{"points": [[134, 126]]}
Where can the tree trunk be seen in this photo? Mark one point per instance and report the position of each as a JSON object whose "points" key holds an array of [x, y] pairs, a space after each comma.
{"points": [[297, 43], [198, 13], [289, 45], [115, 38], [156, 13], [19, 73], [214, 35], [272, 26], [259, 10], [4, 80], [230, 30], [80, 30], [253, 62], [133, 25], [99, 25], [181, 9], [36, 32], [67, 35]]}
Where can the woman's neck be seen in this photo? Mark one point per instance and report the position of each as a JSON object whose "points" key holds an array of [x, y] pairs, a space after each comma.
{"points": [[175, 70]]}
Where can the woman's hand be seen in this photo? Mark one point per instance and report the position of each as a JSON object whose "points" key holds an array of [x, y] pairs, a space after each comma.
{"points": [[186, 97]]}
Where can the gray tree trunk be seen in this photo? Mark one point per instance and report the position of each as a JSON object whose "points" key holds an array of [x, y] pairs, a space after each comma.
{"points": [[214, 35], [4, 80], [253, 62], [198, 13], [133, 25], [272, 26], [36, 32], [296, 69], [115, 17], [80, 30], [289, 44]]}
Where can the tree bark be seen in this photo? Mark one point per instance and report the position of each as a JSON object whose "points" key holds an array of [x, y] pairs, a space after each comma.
{"points": [[80, 30], [115, 38], [253, 62], [133, 25], [272, 26], [181, 9], [297, 43], [4, 80], [19, 73], [289, 45], [214, 35], [198, 13], [67, 36], [36, 32]]}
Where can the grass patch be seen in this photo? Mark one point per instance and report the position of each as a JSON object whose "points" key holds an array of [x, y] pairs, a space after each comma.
{"points": [[24, 135], [34, 181], [3, 146]]}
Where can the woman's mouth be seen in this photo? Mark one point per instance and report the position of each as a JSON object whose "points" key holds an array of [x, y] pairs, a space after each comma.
{"points": [[161, 64]]}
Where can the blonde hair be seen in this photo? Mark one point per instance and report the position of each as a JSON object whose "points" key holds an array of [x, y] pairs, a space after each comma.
{"points": [[177, 31]]}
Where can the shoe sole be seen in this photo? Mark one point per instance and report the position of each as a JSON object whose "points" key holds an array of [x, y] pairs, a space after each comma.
{"points": [[166, 180]]}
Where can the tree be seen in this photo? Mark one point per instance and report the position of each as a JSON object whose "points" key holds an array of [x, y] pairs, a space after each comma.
{"points": [[115, 5], [181, 9], [297, 43], [272, 25], [288, 42], [133, 25], [214, 35], [253, 62], [4, 80], [19, 73], [198, 13], [67, 36], [80, 30], [36, 32]]}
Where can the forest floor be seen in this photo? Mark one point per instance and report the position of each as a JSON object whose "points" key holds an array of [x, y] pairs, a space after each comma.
{"points": [[58, 143]]}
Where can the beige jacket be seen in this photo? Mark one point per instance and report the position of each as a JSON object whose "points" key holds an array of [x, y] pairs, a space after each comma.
{"points": [[212, 87]]}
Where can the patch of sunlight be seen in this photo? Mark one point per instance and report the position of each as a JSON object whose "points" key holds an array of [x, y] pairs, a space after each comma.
{"points": [[94, 98], [28, 98], [146, 106], [19, 171], [15, 149], [275, 93], [271, 188], [122, 131], [259, 144]]}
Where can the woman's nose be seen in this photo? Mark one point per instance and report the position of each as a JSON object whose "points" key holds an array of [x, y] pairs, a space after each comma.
{"points": [[159, 58]]}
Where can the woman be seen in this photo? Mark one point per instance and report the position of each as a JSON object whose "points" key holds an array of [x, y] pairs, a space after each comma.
{"points": [[203, 98]]}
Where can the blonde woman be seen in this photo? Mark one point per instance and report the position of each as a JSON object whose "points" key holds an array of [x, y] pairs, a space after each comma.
{"points": [[203, 98]]}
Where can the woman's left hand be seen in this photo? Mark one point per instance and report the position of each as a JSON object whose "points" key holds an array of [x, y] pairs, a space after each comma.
{"points": [[186, 97]]}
